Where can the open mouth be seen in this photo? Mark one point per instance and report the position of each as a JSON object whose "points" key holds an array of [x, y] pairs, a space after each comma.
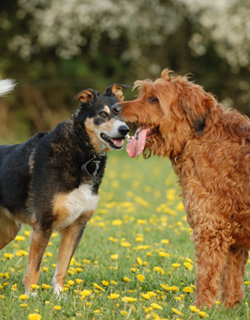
{"points": [[115, 143], [136, 144]]}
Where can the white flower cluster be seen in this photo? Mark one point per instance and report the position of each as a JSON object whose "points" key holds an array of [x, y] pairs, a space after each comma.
{"points": [[67, 25], [227, 23]]}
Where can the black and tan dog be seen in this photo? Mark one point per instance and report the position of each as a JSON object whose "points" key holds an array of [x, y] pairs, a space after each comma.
{"points": [[51, 181]]}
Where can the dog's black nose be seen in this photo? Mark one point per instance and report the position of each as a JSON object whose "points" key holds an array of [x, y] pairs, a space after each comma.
{"points": [[116, 108], [123, 130]]}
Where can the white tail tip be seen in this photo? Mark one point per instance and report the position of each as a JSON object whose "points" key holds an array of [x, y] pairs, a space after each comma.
{"points": [[6, 86]]}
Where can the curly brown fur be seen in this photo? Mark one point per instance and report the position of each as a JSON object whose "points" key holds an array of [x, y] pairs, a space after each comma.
{"points": [[209, 148]]}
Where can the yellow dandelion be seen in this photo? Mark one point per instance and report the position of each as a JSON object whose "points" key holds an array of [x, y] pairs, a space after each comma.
{"points": [[14, 287], [194, 309], [140, 221], [114, 256], [35, 286], [46, 286], [140, 277], [126, 279], [125, 244], [86, 261], [86, 293], [164, 254], [48, 254], [139, 239], [45, 269], [203, 314], [19, 238], [113, 282], [177, 312], [176, 265], [79, 281], [23, 305], [8, 255], [188, 265], [23, 297], [34, 316], [156, 306], [57, 307], [188, 290], [21, 253], [98, 287], [133, 270], [129, 299], [139, 261], [117, 222], [165, 241], [105, 283], [114, 296], [124, 313]]}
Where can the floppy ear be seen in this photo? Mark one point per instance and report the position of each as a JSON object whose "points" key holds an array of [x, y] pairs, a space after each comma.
{"points": [[116, 90], [85, 96], [197, 104]]}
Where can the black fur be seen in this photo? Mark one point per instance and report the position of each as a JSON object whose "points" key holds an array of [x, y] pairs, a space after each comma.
{"points": [[34, 173]]}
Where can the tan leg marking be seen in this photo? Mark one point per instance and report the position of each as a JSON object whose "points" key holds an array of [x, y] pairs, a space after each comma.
{"points": [[70, 238], [39, 241]]}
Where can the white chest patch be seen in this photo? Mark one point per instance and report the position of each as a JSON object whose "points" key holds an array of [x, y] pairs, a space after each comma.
{"points": [[79, 201]]}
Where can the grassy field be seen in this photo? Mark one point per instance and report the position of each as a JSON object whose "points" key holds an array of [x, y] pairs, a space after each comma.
{"points": [[135, 260]]}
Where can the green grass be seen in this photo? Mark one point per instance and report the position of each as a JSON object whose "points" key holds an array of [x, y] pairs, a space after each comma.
{"points": [[139, 232]]}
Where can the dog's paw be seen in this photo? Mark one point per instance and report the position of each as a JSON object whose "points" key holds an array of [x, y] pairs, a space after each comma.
{"points": [[57, 289]]}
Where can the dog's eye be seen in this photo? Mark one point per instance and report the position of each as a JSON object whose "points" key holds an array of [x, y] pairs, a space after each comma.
{"points": [[152, 99], [103, 114]]}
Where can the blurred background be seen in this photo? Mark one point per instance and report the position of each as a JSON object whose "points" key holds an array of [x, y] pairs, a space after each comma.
{"points": [[55, 48]]}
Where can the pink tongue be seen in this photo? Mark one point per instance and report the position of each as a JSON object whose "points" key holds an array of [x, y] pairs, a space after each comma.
{"points": [[136, 145]]}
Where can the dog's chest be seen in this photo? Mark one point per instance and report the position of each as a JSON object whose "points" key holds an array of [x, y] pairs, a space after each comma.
{"points": [[78, 202]]}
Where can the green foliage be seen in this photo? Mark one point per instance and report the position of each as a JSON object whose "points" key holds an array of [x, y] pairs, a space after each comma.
{"points": [[56, 48]]}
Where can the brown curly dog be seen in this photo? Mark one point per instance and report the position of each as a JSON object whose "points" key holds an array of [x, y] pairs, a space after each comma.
{"points": [[209, 148]]}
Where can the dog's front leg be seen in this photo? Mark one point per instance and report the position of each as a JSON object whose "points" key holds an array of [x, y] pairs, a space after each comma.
{"points": [[70, 238], [39, 241], [211, 248]]}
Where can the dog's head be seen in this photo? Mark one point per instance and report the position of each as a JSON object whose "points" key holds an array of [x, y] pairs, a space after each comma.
{"points": [[95, 123], [166, 111]]}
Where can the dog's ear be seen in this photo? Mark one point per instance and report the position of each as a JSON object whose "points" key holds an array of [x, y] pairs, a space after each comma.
{"points": [[116, 90], [85, 96], [196, 104]]}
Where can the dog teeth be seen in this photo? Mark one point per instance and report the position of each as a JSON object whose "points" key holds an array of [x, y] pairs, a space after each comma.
{"points": [[129, 138]]}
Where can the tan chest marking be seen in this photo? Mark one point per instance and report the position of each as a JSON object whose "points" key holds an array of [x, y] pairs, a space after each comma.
{"points": [[68, 207]]}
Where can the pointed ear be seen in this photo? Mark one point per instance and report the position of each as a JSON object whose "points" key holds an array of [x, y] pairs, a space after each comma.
{"points": [[85, 96], [116, 90]]}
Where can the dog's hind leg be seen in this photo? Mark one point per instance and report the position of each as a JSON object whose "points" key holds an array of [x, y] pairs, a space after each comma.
{"points": [[39, 241], [233, 277], [70, 238], [8, 227], [211, 248]]}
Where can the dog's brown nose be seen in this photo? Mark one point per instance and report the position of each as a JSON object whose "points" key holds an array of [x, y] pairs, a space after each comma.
{"points": [[116, 108]]}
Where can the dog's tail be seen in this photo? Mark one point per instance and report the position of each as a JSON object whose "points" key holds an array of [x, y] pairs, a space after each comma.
{"points": [[6, 86]]}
